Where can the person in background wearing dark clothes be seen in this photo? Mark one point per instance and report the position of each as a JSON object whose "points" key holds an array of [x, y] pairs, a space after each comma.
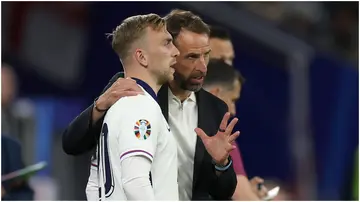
{"points": [[225, 82], [223, 48], [221, 45], [11, 160]]}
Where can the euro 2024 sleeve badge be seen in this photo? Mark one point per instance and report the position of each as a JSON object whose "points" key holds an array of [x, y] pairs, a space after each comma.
{"points": [[142, 129]]}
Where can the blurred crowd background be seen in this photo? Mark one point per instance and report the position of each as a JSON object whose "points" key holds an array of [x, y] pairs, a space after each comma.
{"points": [[298, 112]]}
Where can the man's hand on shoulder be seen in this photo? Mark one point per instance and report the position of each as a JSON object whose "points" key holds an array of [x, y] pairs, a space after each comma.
{"points": [[120, 88]]}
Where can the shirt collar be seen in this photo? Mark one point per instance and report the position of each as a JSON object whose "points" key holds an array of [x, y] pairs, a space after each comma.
{"points": [[146, 87], [192, 96]]}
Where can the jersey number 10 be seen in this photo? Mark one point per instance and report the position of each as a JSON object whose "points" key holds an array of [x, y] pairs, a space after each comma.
{"points": [[105, 162]]}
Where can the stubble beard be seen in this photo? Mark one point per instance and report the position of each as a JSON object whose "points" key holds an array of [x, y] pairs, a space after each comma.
{"points": [[185, 84]]}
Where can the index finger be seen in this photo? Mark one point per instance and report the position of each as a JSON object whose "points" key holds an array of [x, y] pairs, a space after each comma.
{"points": [[129, 78], [134, 88], [122, 81], [127, 84]]}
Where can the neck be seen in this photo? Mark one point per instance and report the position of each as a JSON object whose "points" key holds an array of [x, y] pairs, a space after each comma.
{"points": [[178, 92], [143, 75]]}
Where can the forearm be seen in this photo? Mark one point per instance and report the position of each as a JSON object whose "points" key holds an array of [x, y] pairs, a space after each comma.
{"points": [[243, 191], [81, 135], [224, 185], [135, 178]]}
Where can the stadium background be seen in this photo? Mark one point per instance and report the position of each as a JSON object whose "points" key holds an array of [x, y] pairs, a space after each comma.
{"points": [[298, 110]]}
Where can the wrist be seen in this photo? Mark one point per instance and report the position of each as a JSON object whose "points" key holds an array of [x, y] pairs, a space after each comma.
{"points": [[98, 107], [221, 167], [97, 113], [222, 163]]}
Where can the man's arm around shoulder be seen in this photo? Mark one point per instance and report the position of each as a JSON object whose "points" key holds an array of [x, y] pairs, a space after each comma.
{"points": [[81, 135]]}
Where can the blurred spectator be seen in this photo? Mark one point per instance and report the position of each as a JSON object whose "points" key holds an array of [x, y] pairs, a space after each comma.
{"points": [[17, 115], [8, 93], [11, 160], [221, 45], [223, 81]]}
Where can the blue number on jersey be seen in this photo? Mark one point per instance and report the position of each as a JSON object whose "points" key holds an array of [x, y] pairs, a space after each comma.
{"points": [[104, 157]]}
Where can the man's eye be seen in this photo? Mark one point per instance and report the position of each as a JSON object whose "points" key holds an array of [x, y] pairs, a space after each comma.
{"points": [[193, 57]]}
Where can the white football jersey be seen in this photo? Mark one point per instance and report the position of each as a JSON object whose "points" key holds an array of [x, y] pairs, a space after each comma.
{"points": [[92, 187], [136, 126]]}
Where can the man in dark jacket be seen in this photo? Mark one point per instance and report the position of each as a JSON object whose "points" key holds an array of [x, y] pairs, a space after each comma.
{"points": [[205, 168]]}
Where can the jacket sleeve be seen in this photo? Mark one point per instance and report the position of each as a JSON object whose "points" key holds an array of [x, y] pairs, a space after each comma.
{"points": [[81, 135], [224, 185]]}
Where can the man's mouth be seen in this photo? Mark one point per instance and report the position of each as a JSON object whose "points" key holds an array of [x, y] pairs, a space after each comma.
{"points": [[198, 79]]}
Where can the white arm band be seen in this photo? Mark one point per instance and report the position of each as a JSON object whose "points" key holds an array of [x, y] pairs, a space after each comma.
{"points": [[135, 178]]}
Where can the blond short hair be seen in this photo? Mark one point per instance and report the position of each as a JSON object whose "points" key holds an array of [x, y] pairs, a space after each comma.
{"points": [[131, 30]]}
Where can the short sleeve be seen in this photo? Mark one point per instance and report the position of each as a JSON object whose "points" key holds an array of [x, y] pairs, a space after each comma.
{"points": [[137, 126]]}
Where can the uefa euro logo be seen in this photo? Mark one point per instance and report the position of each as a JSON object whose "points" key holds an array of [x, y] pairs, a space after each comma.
{"points": [[142, 129]]}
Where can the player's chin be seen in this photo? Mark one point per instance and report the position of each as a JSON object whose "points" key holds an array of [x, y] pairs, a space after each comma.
{"points": [[171, 73], [171, 76]]}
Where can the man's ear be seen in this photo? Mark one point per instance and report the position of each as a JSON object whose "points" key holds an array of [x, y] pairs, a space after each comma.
{"points": [[141, 57], [215, 91]]}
